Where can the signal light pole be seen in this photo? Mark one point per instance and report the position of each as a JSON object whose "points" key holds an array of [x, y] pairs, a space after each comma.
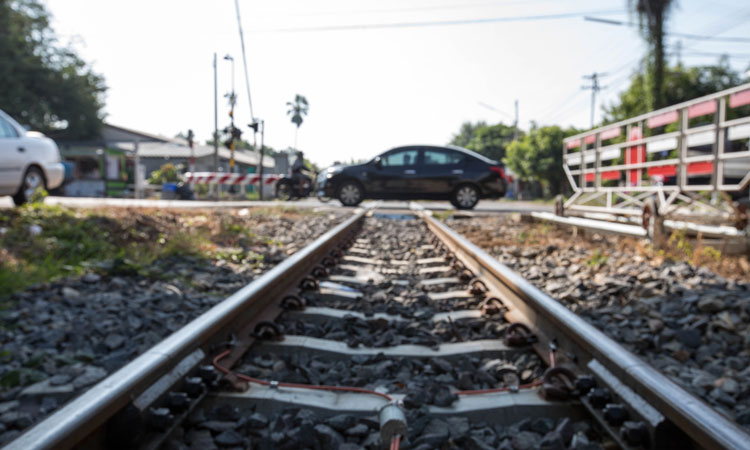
{"points": [[233, 132]]}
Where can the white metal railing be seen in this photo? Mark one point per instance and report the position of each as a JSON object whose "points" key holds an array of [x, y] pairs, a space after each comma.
{"points": [[701, 150]]}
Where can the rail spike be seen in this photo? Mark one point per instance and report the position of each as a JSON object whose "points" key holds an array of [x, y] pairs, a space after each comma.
{"points": [[558, 383], [518, 335], [309, 284], [268, 331], [293, 303]]}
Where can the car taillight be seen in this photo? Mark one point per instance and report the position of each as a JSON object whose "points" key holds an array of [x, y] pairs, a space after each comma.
{"points": [[498, 170]]}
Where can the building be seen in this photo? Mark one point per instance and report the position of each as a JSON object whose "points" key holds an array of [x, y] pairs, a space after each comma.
{"points": [[106, 166]]}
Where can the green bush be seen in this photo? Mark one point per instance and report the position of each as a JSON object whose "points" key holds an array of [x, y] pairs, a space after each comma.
{"points": [[165, 174]]}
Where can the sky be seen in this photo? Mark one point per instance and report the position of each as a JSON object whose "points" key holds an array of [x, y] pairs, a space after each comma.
{"points": [[376, 73]]}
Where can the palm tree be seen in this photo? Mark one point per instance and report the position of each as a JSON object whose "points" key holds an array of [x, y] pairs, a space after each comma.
{"points": [[652, 14], [297, 110]]}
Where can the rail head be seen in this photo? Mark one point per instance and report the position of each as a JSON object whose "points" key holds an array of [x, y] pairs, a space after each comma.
{"points": [[80, 417], [701, 423]]}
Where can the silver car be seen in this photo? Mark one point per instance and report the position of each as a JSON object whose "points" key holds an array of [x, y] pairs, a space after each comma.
{"points": [[28, 160]]}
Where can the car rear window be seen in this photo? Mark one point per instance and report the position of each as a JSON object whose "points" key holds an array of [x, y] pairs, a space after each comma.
{"points": [[442, 157]]}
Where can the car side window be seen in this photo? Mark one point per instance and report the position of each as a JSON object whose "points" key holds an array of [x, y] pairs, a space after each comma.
{"points": [[442, 157], [400, 158], [6, 130]]}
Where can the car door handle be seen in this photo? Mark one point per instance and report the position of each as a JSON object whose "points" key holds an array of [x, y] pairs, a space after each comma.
{"points": [[410, 171], [458, 171], [21, 149]]}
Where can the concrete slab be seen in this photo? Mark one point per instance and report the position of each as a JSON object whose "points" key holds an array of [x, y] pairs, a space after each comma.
{"points": [[336, 349], [497, 408], [439, 281], [449, 295], [320, 314]]}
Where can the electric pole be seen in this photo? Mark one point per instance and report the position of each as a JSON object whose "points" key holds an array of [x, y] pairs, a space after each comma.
{"points": [[595, 87], [260, 159], [190, 139], [216, 120], [515, 124]]}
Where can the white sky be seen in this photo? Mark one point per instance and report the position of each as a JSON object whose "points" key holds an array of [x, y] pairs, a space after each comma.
{"points": [[369, 89]]}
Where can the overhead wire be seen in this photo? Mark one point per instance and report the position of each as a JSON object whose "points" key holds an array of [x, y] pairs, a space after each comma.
{"points": [[434, 23], [490, 4], [739, 39]]}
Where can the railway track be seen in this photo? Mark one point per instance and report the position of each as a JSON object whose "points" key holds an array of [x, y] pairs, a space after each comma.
{"points": [[389, 330]]}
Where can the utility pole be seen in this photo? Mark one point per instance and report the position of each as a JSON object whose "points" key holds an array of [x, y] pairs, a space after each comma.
{"points": [[515, 124], [678, 52], [260, 159], [594, 77], [216, 120], [190, 139]]}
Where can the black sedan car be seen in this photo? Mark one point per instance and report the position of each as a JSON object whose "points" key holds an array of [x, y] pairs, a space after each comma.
{"points": [[417, 172]]}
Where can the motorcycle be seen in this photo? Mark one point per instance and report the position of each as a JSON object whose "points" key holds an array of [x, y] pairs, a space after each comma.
{"points": [[289, 188]]}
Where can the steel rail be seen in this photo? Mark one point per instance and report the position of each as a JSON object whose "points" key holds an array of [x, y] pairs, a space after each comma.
{"points": [[77, 420], [701, 423]]}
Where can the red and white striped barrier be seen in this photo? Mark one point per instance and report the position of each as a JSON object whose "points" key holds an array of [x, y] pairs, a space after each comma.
{"points": [[228, 178]]}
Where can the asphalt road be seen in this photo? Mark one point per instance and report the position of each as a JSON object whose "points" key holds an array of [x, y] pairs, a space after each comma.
{"points": [[484, 206]]}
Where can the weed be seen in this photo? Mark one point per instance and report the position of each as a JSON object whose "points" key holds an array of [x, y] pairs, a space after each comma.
{"points": [[597, 259], [710, 254], [678, 239], [442, 215]]}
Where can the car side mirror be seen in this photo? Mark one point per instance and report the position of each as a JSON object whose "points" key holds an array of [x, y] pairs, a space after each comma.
{"points": [[378, 163]]}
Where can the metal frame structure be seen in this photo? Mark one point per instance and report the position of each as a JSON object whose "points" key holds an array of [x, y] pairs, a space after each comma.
{"points": [[619, 173]]}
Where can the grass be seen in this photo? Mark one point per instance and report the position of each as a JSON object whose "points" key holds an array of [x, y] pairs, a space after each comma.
{"points": [[40, 243]]}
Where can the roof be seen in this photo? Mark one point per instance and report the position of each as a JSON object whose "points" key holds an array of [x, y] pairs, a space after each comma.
{"points": [[115, 133], [175, 149]]}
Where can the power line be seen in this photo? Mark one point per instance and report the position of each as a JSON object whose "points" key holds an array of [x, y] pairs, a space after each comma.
{"points": [[492, 108], [681, 35], [490, 4], [244, 59], [720, 54], [436, 23]]}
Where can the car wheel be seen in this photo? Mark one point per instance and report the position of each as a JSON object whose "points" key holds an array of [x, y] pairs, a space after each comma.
{"points": [[350, 194], [33, 179], [284, 190], [465, 196]]}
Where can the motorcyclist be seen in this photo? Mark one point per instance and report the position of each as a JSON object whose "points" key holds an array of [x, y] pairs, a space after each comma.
{"points": [[298, 169]]}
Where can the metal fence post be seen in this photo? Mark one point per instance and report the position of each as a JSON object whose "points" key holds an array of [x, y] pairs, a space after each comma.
{"points": [[719, 117], [598, 162], [682, 168]]}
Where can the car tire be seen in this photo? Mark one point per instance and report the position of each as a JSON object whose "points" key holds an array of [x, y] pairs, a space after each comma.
{"points": [[465, 196], [284, 190], [32, 180], [350, 193]]}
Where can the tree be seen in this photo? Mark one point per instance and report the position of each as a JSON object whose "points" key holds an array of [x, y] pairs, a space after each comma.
{"points": [[44, 85], [537, 156], [491, 141], [651, 15], [467, 132], [297, 110], [681, 84]]}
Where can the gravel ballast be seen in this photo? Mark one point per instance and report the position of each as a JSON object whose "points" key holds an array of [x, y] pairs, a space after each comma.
{"points": [[62, 337], [687, 321]]}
